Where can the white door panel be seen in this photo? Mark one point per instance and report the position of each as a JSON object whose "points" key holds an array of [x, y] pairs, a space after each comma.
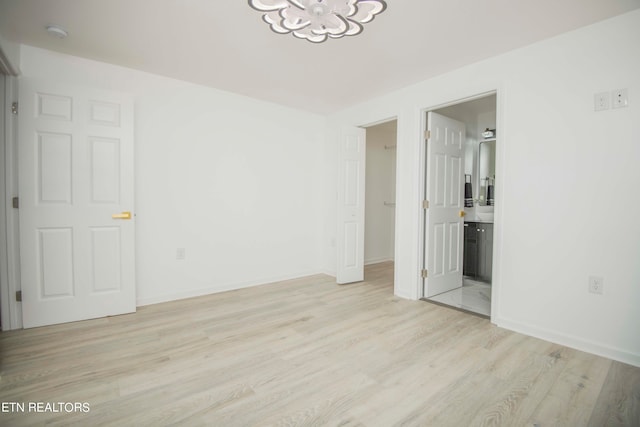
{"points": [[444, 191], [350, 234], [76, 171]]}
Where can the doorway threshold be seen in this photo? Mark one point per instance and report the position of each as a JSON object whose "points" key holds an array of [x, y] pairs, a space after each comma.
{"points": [[453, 307]]}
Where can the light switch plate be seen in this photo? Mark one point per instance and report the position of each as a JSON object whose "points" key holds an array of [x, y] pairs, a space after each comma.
{"points": [[601, 101]]}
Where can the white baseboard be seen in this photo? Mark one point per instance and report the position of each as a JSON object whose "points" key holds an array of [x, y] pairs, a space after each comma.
{"points": [[405, 296], [329, 273], [570, 341], [220, 288]]}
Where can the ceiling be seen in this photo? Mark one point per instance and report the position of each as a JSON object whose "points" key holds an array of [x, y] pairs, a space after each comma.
{"points": [[224, 43]]}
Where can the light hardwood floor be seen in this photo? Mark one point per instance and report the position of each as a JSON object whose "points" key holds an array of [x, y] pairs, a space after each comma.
{"points": [[309, 352]]}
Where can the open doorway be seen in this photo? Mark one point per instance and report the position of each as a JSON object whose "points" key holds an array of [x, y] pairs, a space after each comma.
{"points": [[460, 248], [380, 193], [366, 199]]}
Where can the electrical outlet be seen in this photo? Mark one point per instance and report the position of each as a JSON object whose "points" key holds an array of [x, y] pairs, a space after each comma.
{"points": [[620, 98], [181, 253], [596, 285], [601, 101]]}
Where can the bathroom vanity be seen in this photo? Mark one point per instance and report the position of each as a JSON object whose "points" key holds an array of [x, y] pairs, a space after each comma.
{"points": [[478, 250]]}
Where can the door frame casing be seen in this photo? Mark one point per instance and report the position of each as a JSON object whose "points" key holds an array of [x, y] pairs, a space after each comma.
{"points": [[498, 207], [11, 310]]}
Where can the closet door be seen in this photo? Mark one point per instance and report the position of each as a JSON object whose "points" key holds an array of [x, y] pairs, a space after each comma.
{"points": [[350, 218]]}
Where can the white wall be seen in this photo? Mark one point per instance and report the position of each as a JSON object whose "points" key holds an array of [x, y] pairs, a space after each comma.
{"points": [[235, 181], [569, 189], [379, 219]]}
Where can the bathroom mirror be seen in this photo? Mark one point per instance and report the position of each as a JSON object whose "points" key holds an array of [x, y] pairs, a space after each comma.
{"points": [[486, 168]]}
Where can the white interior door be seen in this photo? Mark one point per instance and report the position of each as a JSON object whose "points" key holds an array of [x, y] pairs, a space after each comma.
{"points": [[444, 217], [76, 192], [351, 181]]}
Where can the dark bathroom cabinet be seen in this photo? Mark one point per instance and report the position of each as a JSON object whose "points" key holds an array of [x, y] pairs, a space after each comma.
{"points": [[478, 250]]}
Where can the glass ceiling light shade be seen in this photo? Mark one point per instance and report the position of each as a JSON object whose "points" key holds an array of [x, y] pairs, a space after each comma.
{"points": [[317, 20]]}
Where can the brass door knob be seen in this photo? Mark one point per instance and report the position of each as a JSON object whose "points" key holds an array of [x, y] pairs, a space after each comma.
{"points": [[122, 215]]}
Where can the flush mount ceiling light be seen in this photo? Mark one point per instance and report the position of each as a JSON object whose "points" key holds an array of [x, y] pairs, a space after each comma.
{"points": [[317, 20]]}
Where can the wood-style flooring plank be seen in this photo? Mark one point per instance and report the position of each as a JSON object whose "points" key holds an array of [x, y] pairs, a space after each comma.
{"points": [[619, 401], [308, 352]]}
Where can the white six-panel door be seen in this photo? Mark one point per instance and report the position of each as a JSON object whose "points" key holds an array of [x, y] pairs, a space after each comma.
{"points": [[445, 192], [350, 233], [75, 186]]}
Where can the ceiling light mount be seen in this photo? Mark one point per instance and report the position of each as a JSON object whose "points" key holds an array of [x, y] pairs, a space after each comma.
{"points": [[57, 31], [318, 20]]}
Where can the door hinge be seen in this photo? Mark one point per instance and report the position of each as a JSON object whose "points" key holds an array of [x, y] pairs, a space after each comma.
{"points": [[424, 273], [427, 134], [18, 296], [425, 204], [15, 202], [14, 108]]}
